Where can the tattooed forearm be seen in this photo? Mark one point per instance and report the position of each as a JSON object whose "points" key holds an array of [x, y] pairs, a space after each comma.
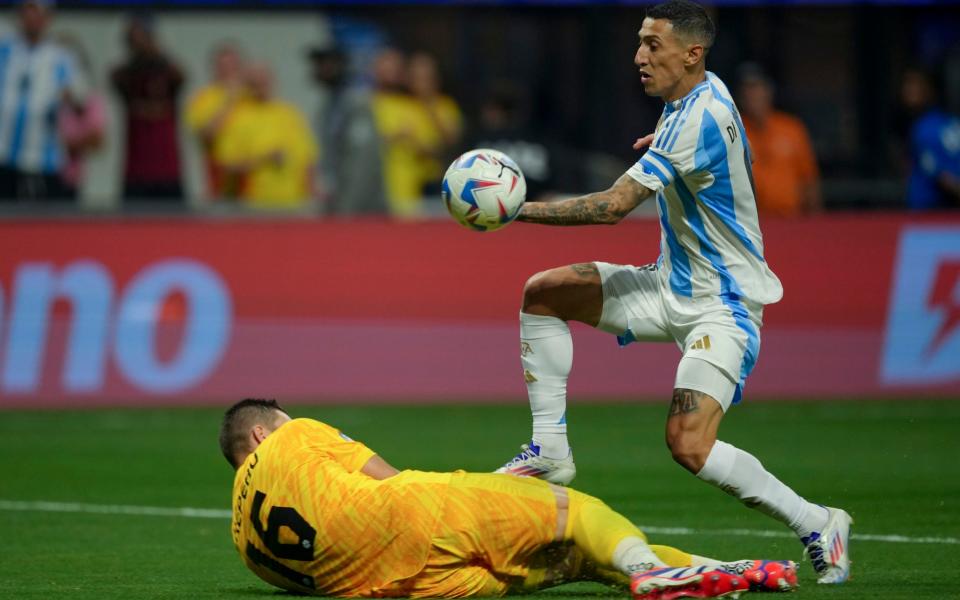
{"points": [[601, 208], [595, 209], [684, 402]]}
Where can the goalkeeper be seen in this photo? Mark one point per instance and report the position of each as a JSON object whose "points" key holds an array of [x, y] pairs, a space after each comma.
{"points": [[316, 512]]}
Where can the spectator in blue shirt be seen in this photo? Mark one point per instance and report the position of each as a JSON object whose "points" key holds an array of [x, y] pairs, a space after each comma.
{"points": [[934, 181], [37, 77]]}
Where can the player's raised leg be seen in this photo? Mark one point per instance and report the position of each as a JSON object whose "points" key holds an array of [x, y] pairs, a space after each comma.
{"points": [[550, 299], [692, 425]]}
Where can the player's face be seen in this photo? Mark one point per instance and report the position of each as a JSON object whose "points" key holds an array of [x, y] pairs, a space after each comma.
{"points": [[660, 58]]}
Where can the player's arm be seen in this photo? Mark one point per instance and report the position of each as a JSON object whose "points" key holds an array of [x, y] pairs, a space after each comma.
{"points": [[600, 208], [351, 455], [377, 468]]}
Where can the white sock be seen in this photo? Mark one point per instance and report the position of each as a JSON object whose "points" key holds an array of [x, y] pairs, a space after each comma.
{"points": [[703, 561], [546, 352], [742, 476], [633, 555]]}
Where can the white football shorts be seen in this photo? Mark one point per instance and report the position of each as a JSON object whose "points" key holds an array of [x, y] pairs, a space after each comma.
{"points": [[719, 336]]}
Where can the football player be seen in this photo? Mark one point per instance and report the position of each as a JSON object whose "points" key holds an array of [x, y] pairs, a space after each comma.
{"points": [[706, 293], [319, 513]]}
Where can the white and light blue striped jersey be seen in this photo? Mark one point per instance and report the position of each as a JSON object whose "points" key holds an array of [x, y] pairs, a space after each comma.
{"points": [[33, 80], [699, 167]]}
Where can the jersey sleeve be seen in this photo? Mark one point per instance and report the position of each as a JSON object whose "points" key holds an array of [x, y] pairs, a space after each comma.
{"points": [[670, 156], [349, 454]]}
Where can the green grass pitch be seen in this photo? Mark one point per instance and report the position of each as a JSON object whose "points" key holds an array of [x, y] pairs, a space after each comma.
{"points": [[894, 465]]}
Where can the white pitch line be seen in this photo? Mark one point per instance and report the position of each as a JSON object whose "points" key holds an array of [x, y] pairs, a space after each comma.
{"points": [[216, 513], [768, 533], [115, 509]]}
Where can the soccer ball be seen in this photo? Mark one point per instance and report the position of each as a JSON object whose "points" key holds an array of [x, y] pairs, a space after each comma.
{"points": [[484, 189]]}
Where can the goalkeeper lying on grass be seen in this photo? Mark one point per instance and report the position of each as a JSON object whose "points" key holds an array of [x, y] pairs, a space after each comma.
{"points": [[316, 512]]}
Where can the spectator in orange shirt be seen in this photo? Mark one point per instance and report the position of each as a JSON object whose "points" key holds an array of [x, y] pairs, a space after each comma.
{"points": [[785, 169]]}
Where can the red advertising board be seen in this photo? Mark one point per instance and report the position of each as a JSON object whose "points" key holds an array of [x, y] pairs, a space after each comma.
{"points": [[166, 311]]}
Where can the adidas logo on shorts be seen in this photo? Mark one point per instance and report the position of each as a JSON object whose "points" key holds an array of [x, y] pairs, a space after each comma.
{"points": [[701, 344]]}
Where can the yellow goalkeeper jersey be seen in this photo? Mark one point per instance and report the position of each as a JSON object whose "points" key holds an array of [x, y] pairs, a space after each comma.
{"points": [[306, 518]]}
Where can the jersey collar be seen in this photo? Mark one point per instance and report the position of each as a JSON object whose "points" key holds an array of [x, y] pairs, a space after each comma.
{"points": [[679, 102]]}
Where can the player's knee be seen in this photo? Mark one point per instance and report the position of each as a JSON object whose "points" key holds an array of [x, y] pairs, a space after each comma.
{"points": [[688, 450], [571, 293], [540, 291]]}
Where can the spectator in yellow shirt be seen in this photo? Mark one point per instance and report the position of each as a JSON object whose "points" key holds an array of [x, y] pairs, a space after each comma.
{"points": [[210, 111], [402, 130], [270, 147], [439, 117]]}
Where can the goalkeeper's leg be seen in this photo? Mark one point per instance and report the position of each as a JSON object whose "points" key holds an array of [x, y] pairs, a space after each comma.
{"points": [[611, 544], [601, 545], [595, 543]]}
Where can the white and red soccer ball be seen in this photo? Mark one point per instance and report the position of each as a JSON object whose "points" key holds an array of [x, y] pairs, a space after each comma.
{"points": [[484, 189]]}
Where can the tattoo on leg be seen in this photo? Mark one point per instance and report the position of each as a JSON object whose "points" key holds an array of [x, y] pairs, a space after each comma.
{"points": [[684, 402], [642, 567], [586, 270]]}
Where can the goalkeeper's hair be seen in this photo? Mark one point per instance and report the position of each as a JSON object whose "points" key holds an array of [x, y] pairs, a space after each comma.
{"points": [[237, 421], [689, 19]]}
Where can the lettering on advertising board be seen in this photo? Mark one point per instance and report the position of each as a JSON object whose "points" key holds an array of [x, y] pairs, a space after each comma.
{"points": [[105, 322], [922, 343]]}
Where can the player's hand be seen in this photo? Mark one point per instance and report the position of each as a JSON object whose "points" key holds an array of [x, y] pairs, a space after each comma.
{"points": [[643, 142]]}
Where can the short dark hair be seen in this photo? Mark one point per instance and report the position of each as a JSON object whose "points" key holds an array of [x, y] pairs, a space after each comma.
{"points": [[688, 18], [237, 422]]}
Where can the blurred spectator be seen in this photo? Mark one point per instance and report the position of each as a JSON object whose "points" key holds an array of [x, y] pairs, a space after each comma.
{"points": [[210, 111], [38, 78], [504, 126], [401, 132], [269, 146], [440, 118], [934, 145], [83, 126], [350, 167], [785, 169], [149, 83]]}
